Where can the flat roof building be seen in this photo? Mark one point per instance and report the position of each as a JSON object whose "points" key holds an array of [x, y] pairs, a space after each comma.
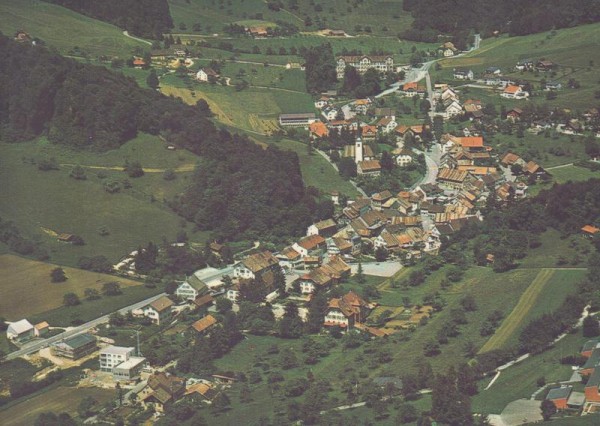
{"points": [[75, 347], [112, 356], [299, 119], [130, 369]]}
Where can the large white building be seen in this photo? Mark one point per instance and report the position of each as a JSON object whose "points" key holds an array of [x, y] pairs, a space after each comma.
{"points": [[191, 288], [112, 356], [20, 331], [364, 63]]}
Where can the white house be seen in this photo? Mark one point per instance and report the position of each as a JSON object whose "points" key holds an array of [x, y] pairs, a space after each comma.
{"points": [[191, 288], [159, 311], [255, 265], [322, 102], [205, 74], [514, 92], [453, 108], [330, 113], [387, 124], [20, 331], [112, 356], [324, 228], [463, 75], [403, 157]]}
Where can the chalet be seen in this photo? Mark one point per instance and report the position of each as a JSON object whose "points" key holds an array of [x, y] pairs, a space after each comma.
{"points": [[202, 325], [202, 390], [387, 240], [313, 245], [357, 208], [161, 391], [369, 167], [590, 231], [363, 63], [514, 92], [380, 198], [206, 74], [368, 224], [509, 159], [452, 109], [20, 331], [412, 89], [138, 63], [387, 124], [325, 228], [346, 311], [451, 178], [403, 157], [447, 49], [255, 265], [330, 273], [159, 311], [361, 106], [191, 288], [514, 114], [289, 258], [544, 65], [559, 396], [318, 129], [330, 113], [368, 132], [533, 169], [463, 75], [74, 347], [299, 119]]}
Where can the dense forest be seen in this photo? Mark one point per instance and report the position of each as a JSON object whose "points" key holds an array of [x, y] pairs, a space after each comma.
{"points": [[241, 190], [459, 17], [144, 18]]}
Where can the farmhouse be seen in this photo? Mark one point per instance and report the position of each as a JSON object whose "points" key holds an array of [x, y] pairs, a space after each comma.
{"points": [[161, 390], [191, 288], [75, 347], [20, 331], [204, 301], [159, 311], [325, 228], [448, 49], [369, 167], [255, 265], [363, 63], [203, 324], [300, 119], [318, 129], [312, 245], [403, 157], [346, 311], [206, 74], [463, 75]]}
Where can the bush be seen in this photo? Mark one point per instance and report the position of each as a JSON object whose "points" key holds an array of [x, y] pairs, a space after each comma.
{"points": [[58, 275]]}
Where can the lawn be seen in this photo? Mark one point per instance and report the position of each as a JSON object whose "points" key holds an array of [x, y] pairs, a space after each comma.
{"points": [[572, 173], [259, 75], [43, 204], [28, 277], [59, 400], [519, 381], [65, 30]]}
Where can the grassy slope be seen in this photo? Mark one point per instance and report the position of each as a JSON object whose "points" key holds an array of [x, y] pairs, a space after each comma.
{"points": [[572, 48], [45, 203], [64, 29]]}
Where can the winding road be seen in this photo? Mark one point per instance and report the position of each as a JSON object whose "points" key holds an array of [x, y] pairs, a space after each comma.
{"points": [[126, 34]]}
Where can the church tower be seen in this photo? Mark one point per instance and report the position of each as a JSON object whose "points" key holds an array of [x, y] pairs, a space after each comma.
{"points": [[358, 151]]}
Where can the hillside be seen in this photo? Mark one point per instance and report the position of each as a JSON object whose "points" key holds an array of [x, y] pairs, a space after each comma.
{"points": [[69, 32]]}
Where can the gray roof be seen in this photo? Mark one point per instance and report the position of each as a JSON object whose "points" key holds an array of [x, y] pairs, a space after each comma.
{"points": [[594, 359], [20, 327], [559, 393], [576, 399], [297, 115], [79, 341], [590, 345], [196, 283], [594, 379]]}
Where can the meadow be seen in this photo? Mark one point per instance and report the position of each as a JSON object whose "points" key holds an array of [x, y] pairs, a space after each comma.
{"points": [[69, 31], [44, 204]]}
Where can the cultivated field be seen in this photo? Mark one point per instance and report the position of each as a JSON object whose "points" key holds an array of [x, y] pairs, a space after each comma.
{"points": [[65, 29], [26, 289], [59, 400]]}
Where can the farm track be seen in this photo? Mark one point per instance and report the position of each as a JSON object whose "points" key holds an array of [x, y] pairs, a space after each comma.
{"points": [[181, 169], [515, 319]]}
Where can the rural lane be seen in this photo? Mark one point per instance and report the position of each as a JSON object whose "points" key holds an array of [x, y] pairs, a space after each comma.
{"points": [[34, 347], [126, 34]]}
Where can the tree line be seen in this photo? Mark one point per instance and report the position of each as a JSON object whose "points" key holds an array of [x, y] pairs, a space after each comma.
{"points": [[240, 190], [144, 18]]}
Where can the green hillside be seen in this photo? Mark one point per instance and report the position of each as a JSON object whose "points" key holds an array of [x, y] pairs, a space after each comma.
{"points": [[64, 29]]}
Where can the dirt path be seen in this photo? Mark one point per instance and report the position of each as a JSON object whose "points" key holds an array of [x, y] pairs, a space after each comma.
{"points": [[126, 34], [515, 319], [181, 169]]}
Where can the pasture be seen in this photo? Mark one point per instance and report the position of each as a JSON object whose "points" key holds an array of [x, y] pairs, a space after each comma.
{"points": [[68, 31], [43, 204], [59, 400], [26, 289], [573, 173]]}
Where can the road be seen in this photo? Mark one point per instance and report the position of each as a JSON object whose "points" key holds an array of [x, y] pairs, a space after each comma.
{"points": [[126, 34], [36, 346], [432, 160]]}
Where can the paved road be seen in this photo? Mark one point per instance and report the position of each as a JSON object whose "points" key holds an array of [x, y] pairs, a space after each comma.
{"points": [[126, 34], [432, 160], [36, 346]]}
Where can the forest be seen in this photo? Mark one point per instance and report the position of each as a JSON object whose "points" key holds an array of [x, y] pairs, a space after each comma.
{"points": [[240, 190], [143, 18], [459, 17]]}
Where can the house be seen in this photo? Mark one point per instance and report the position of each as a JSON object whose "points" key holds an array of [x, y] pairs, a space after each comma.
{"points": [[369, 167], [191, 288], [204, 390], [357, 208], [553, 85], [74, 347], [322, 102], [330, 113], [514, 92], [559, 396], [258, 32], [533, 169], [289, 258], [463, 75], [130, 369], [318, 129], [295, 120], [368, 132], [387, 240], [159, 311], [325, 228], [20, 331], [447, 49], [524, 65], [368, 224], [380, 198], [346, 311], [589, 231], [206, 74], [330, 273], [204, 301], [591, 363], [451, 178], [403, 157], [255, 265], [514, 114], [41, 329], [452, 109], [592, 387], [336, 33], [493, 71], [361, 106], [311, 245], [203, 324], [112, 356], [387, 124], [544, 65], [139, 63], [162, 390], [363, 63], [509, 159]]}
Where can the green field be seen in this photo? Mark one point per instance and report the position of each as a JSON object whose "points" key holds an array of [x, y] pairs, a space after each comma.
{"points": [[383, 17], [572, 173], [65, 30], [43, 204], [259, 75], [575, 50]]}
